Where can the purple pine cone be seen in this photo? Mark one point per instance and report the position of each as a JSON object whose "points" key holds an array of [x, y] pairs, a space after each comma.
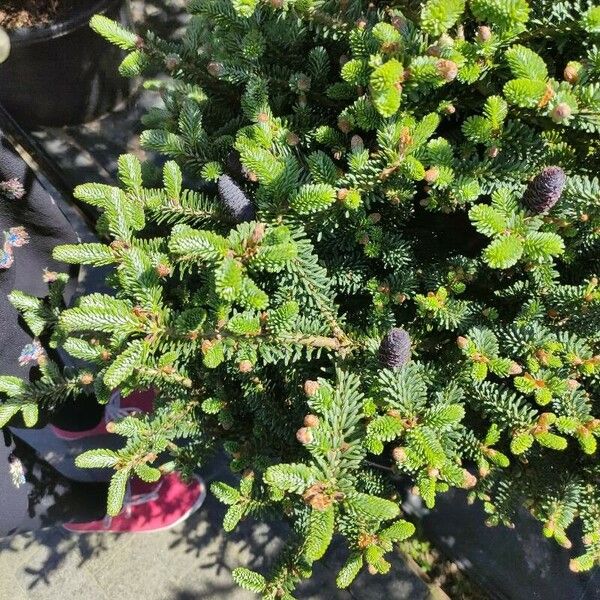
{"points": [[235, 201], [394, 350], [544, 190], [12, 189]]}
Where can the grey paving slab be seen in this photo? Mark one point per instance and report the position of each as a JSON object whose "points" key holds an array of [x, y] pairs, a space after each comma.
{"points": [[10, 585], [193, 560], [512, 564]]}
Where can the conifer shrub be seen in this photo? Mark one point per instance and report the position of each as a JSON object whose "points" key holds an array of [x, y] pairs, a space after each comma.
{"points": [[373, 255]]}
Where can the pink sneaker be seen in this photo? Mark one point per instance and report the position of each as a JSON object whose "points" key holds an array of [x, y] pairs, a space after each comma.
{"points": [[116, 409], [167, 504]]}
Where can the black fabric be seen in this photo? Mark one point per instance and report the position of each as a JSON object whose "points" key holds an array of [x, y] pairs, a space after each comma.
{"points": [[46, 226], [31, 225], [41, 218]]}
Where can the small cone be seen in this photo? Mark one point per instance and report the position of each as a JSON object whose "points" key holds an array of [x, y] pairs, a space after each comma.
{"points": [[394, 350], [235, 201], [544, 191]]}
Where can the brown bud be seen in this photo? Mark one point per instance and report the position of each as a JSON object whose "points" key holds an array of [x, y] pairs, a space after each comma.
{"points": [[311, 421], [342, 194], [110, 427], [433, 473], [572, 72], [162, 270], [398, 22], [375, 217], [493, 151], [361, 23], [561, 112], [139, 42], [118, 245], [447, 69], [86, 379], [304, 435], [356, 143], [245, 366], [105, 355], [263, 117], [450, 109], [214, 68], [584, 218], [515, 369], [292, 139], [259, 233], [344, 125], [399, 454], [431, 175], [469, 480], [574, 566], [372, 570], [484, 471], [434, 51], [462, 342], [311, 387], [303, 83], [316, 497], [484, 33], [172, 61], [49, 276]]}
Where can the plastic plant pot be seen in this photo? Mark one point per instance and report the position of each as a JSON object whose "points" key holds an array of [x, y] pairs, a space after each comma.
{"points": [[64, 73]]}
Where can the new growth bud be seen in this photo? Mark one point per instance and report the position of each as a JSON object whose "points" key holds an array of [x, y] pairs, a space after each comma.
{"points": [[311, 387]]}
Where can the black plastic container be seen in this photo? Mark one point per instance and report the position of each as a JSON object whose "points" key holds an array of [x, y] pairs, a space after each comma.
{"points": [[64, 73]]}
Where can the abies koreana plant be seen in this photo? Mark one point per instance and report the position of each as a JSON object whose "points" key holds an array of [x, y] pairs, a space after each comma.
{"points": [[384, 262]]}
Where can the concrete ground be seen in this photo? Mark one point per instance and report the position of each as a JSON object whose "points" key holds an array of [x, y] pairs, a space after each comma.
{"points": [[190, 562]]}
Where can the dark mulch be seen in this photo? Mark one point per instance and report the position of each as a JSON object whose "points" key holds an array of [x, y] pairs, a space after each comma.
{"points": [[15, 14]]}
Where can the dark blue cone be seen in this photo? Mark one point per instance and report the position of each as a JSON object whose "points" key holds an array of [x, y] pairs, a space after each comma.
{"points": [[235, 201], [544, 190], [394, 350]]}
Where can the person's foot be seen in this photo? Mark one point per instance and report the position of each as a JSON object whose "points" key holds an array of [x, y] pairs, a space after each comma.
{"points": [[149, 508], [116, 409]]}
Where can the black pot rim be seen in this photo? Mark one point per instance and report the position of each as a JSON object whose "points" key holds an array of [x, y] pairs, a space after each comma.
{"points": [[26, 36]]}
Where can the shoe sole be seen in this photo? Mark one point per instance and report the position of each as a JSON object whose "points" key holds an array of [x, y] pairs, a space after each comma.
{"points": [[199, 502], [68, 437]]}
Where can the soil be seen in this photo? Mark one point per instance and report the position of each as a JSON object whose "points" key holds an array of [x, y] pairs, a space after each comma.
{"points": [[15, 14]]}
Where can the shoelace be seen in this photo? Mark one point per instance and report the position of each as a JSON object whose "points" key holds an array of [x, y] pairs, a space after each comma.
{"points": [[113, 411], [132, 500]]}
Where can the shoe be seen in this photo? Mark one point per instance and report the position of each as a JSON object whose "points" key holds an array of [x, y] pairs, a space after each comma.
{"points": [[148, 508], [116, 409]]}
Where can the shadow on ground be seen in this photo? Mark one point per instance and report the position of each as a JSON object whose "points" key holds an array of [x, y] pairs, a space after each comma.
{"points": [[191, 561]]}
